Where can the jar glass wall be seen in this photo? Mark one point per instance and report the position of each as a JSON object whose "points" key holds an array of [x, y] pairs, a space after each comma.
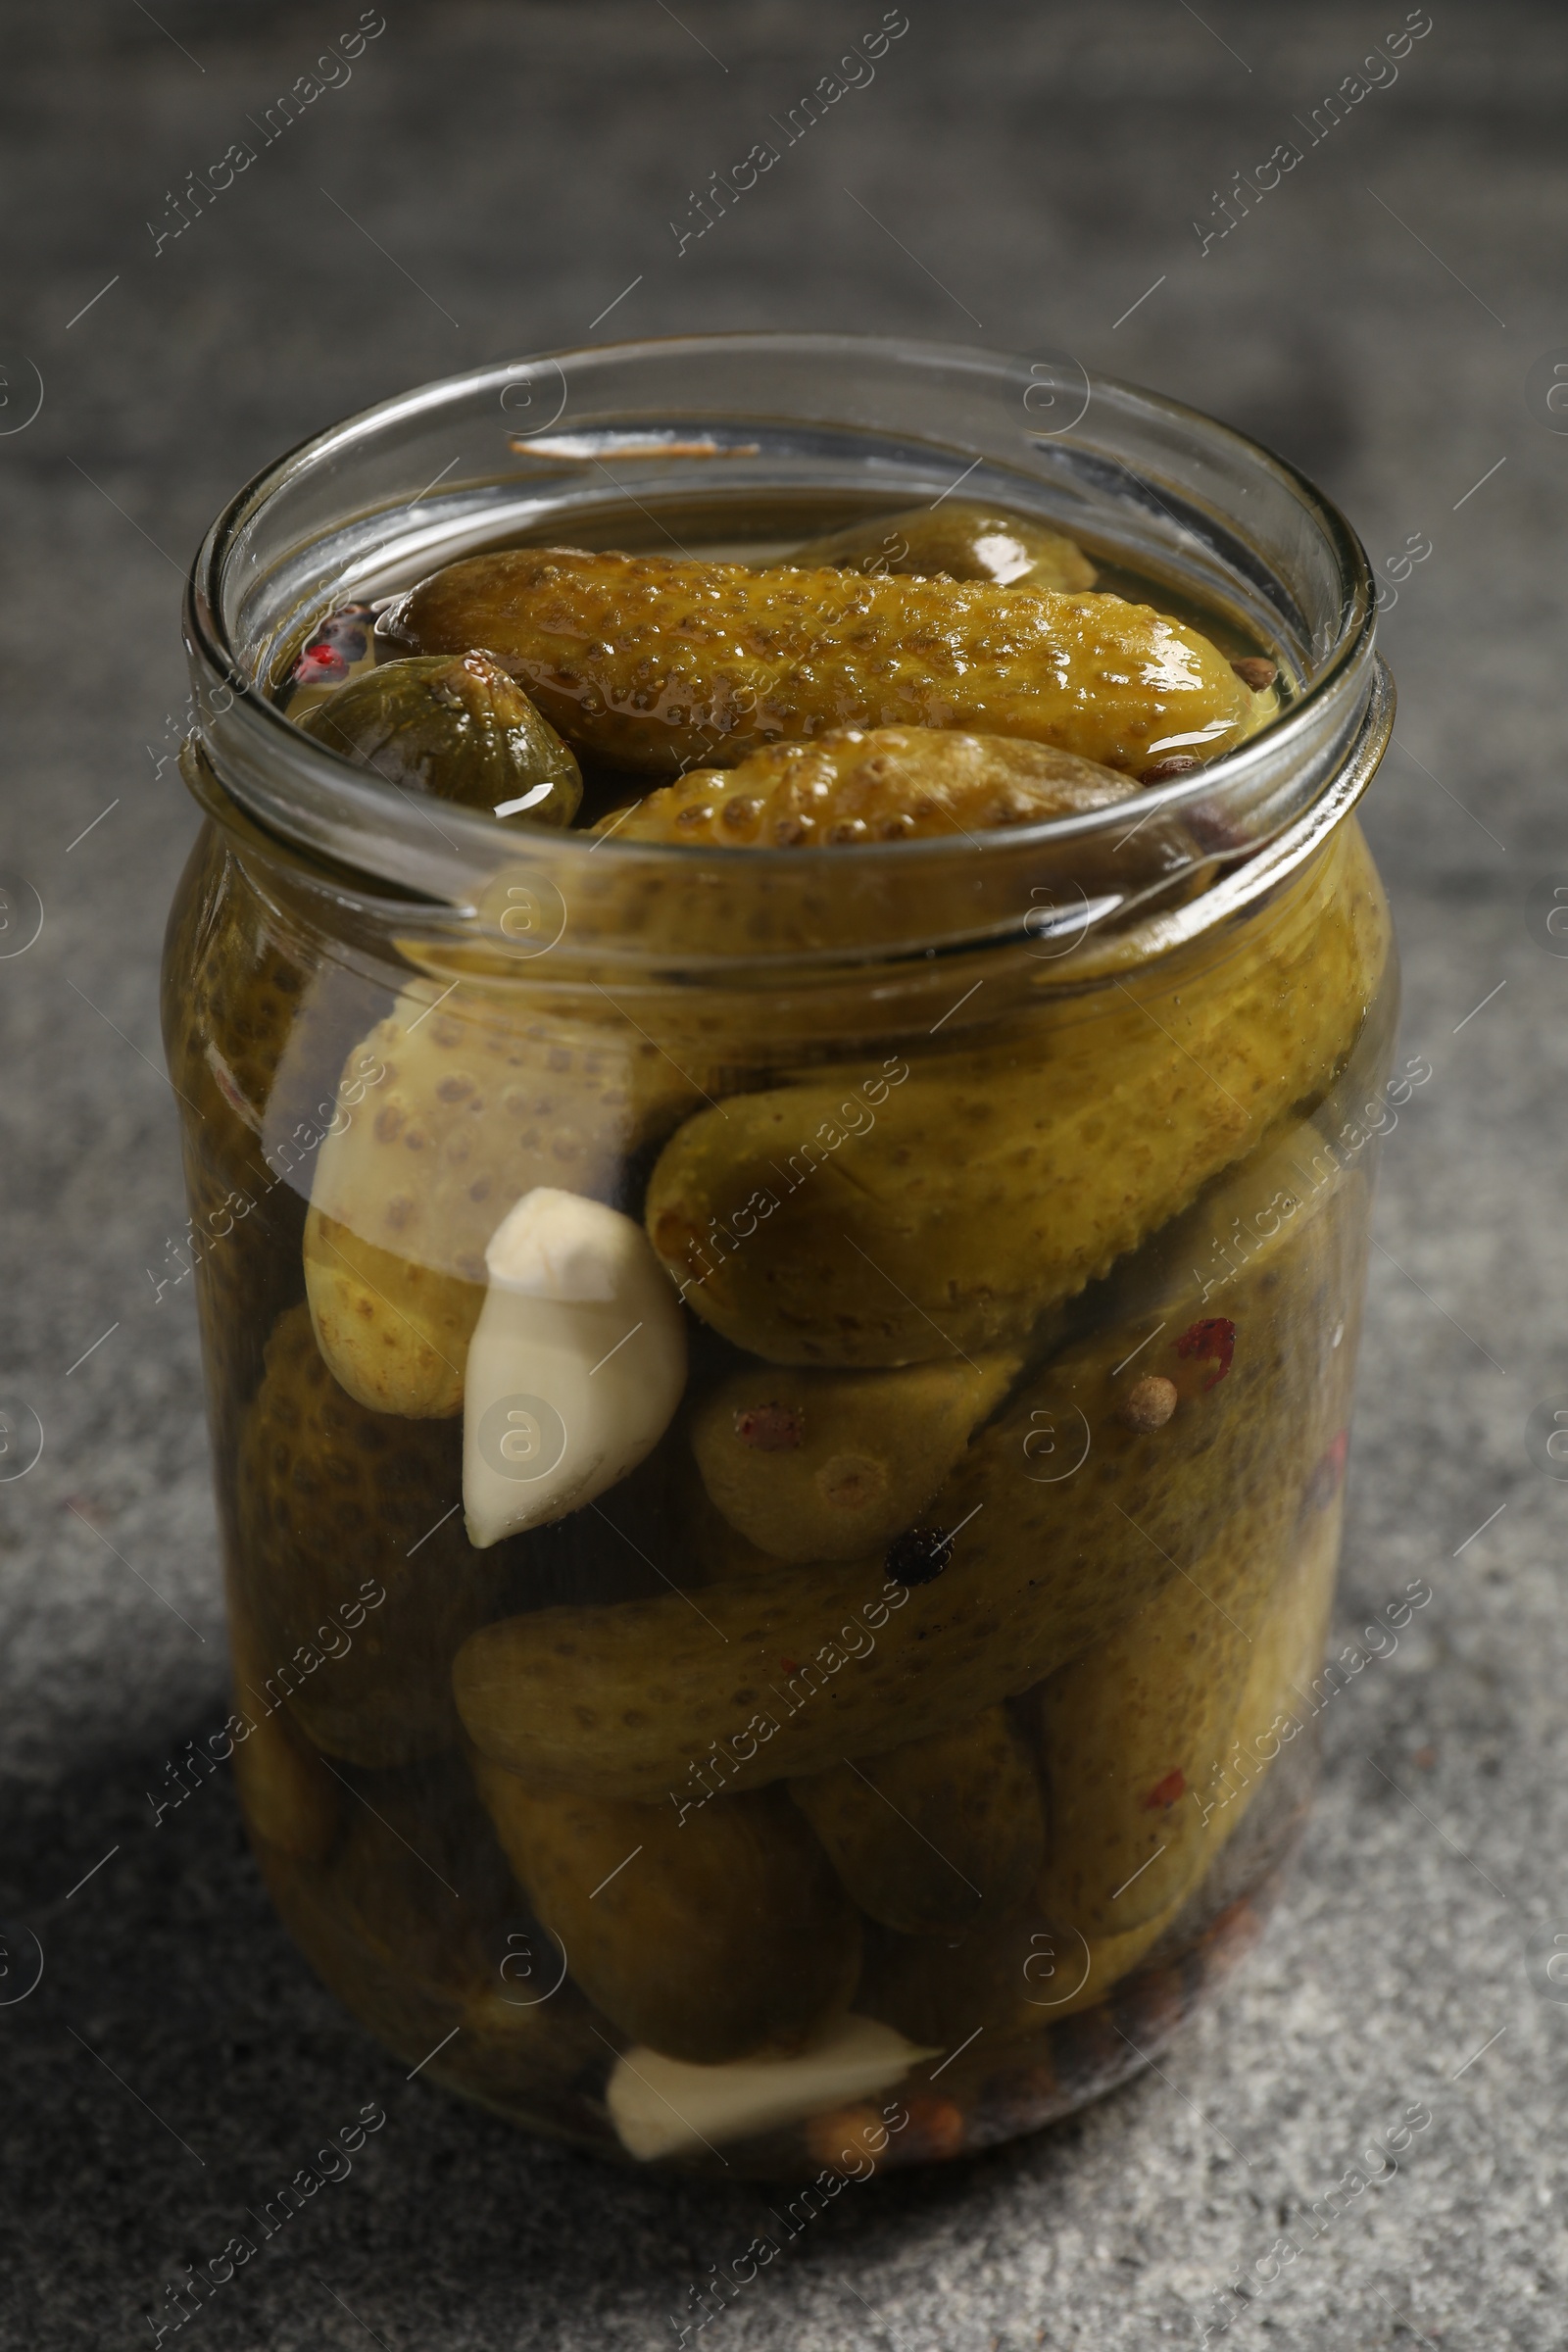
{"points": [[794, 1655]]}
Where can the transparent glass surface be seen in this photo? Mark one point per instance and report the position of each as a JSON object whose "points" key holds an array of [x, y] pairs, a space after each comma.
{"points": [[806, 1661]]}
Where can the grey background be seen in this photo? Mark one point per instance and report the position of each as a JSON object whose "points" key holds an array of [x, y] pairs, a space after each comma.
{"points": [[510, 167]]}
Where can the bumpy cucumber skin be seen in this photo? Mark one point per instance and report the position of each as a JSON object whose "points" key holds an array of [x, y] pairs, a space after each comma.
{"points": [[395, 1332], [930, 1836], [473, 1101], [785, 1672], [483, 1098], [873, 784], [1041, 1969], [330, 1495], [709, 1937], [407, 1923], [832, 1465], [996, 1180], [662, 664], [1131, 1735]]}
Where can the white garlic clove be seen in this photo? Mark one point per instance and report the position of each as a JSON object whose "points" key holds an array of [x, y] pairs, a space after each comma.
{"points": [[575, 1367], [665, 2107]]}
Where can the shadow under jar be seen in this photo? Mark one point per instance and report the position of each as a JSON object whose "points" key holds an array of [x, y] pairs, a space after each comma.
{"points": [[779, 1412]]}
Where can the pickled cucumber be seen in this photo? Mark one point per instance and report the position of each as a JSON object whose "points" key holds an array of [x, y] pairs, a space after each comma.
{"points": [[419, 1879], [482, 1099], [337, 1503], [997, 1179], [1015, 1982], [1044, 1967], [882, 784], [290, 1799], [455, 726], [709, 1937], [932, 1647], [1028, 1562], [408, 1923], [1286, 1656], [658, 663], [928, 1836], [714, 1549], [831, 1465], [1131, 1732], [395, 1332], [235, 996], [959, 538]]}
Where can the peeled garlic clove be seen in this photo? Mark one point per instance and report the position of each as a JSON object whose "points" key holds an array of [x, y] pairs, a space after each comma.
{"points": [[575, 1367], [665, 2107]]}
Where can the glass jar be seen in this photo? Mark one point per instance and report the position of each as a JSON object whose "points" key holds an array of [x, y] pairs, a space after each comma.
{"points": [[834, 1689]]}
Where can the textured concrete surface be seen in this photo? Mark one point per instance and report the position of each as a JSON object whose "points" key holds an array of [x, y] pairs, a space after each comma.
{"points": [[509, 169]]}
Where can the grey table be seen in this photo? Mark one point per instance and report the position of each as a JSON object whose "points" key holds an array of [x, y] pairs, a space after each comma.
{"points": [[488, 179]]}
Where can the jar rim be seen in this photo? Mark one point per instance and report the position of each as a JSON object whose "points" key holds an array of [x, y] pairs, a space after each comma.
{"points": [[315, 808]]}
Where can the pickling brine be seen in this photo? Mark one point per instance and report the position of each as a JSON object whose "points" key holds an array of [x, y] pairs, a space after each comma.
{"points": [[782, 1139]]}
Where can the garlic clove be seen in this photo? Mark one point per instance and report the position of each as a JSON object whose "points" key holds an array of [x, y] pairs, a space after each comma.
{"points": [[577, 1364], [665, 2107]]}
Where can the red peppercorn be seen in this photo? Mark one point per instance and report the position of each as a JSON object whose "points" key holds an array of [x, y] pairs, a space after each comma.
{"points": [[319, 663], [1214, 1338]]}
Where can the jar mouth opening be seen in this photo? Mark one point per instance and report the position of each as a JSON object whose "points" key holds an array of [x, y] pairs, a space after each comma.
{"points": [[867, 419]]}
